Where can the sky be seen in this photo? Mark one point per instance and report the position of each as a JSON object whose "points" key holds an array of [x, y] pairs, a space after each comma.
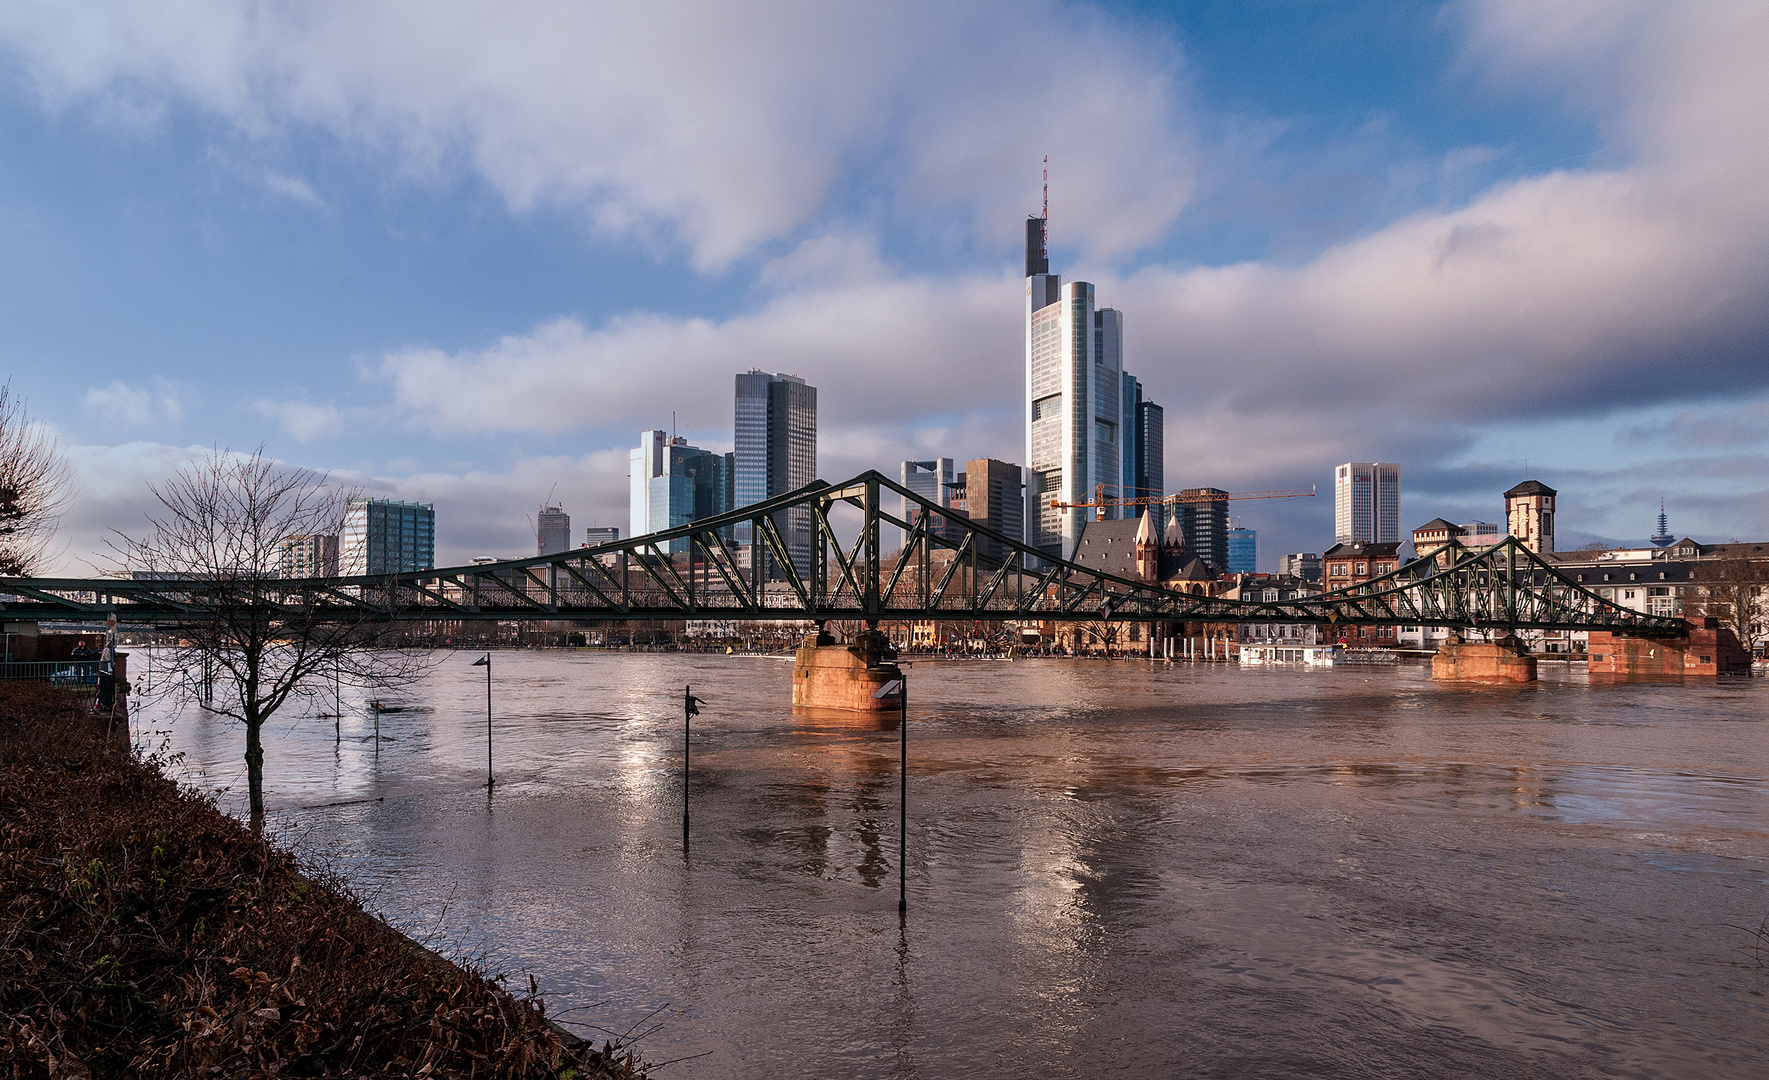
{"points": [[462, 254]]}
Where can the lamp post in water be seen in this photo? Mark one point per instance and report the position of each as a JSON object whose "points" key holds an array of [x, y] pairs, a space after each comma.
{"points": [[900, 688], [690, 709], [485, 662]]}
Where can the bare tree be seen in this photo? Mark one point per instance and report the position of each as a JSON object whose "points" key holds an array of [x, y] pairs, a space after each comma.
{"points": [[1736, 592], [35, 486], [256, 640]]}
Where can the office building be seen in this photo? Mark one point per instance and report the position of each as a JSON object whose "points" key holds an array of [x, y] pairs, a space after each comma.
{"points": [[1479, 534], [1198, 518], [1141, 455], [1529, 515], [597, 535], [552, 531], [1243, 551], [312, 556], [1074, 409], [934, 481], [990, 493], [644, 463], [382, 536], [1305, 565], [776, 439], [1366, 503]]}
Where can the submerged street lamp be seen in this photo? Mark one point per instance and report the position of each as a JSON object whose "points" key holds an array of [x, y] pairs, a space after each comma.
{"points": [[900, 688], [484, 662], [690, 709]]}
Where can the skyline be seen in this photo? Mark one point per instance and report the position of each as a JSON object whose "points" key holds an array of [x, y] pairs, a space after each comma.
{"points": [[1451, 236]]}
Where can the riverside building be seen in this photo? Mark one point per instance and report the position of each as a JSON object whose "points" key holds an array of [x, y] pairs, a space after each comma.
{"points": [[382, 536]]}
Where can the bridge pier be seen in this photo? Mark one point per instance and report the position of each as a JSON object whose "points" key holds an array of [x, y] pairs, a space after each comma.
{"points": [[1705, 649], [830, 676], [1502, 662]]}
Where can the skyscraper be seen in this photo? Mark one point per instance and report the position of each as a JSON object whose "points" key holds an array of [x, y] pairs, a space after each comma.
{"points": [[1201, 517], [994, 498], [692, 484], [382, 536], [1144, 444], [1366, 503], [776, 439], [644, 463], [1074, 411], [597, 535], [1243, 551], [932, 480], [552, 531]]}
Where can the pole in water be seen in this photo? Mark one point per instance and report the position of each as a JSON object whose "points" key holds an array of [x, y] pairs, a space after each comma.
{"points": [[690, 709], [900, 687], [485, 662]]}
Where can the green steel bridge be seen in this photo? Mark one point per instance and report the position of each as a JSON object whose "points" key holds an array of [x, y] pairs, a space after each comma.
{"points": [[737, 566]]}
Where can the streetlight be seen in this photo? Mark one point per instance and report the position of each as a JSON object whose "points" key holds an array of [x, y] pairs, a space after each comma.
{"points": [[485, 662], [690, 709]]}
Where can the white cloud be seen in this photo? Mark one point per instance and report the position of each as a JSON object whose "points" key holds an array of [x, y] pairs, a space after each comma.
{"points": [[302, 420], [122, 407], [720, 127]]}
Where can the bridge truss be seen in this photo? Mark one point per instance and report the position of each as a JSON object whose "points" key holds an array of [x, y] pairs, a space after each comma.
{"points": [[738, 566]]}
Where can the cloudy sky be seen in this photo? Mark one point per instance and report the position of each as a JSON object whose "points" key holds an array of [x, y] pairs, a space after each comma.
{"points": [[461, 253]]}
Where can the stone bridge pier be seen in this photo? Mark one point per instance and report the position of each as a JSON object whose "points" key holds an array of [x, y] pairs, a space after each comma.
{"points": [[1503, 661], [1705, 648]]}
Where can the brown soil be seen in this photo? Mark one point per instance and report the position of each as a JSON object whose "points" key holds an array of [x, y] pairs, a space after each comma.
{"points": [[143, 933]]}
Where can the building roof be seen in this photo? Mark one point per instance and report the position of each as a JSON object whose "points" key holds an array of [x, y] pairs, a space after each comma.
{"points": [[1440, 525], [1363, 549], [1531, 487], [1109, 546], [1196, 570]]}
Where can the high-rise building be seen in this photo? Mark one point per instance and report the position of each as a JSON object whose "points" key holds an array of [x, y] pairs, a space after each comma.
{"points": [[1529, 514], [1141, 454], [597, 535], [1243, 551], [311, 556], [552, 531], [382, 536], [1302, 564], [1074, 408], [1201, 517], [695, 485], [776, 439], [933, 480], [1366, 503], [644, 463], [994, 498]]}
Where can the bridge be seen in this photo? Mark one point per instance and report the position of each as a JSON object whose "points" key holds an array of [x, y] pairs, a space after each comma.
{"points": [[737, 566]]}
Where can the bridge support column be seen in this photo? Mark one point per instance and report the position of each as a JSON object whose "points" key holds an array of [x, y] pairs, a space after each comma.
{"points": [[1501, 662], [830, 676], [1705, 649]]}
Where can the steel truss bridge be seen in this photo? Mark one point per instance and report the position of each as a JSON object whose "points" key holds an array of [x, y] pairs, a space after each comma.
{"points": [[738, 566]]}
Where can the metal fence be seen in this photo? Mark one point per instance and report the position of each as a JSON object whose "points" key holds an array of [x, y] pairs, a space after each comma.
{"points": [[61, 672]]}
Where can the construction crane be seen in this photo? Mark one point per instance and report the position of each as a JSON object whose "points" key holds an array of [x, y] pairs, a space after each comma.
{"points": [[1191, 495]]}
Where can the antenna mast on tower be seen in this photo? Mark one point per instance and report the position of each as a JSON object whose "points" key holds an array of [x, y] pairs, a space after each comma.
{"points": [[1044, 242]]}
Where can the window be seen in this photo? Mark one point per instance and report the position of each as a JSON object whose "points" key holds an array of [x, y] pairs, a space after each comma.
{"points": [[1363, 568], [1629, 593]]}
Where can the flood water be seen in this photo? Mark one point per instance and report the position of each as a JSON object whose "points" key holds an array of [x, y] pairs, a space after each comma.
{"points": [[1114, 867]]}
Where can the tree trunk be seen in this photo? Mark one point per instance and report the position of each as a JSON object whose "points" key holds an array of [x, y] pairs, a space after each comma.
{"points": [[255, 771]]}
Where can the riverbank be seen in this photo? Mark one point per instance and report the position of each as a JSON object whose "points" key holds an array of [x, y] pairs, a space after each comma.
{"points": [[148, 934]]}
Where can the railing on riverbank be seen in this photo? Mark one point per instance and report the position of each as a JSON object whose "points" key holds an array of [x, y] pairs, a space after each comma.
{"points": [[60, 672]]}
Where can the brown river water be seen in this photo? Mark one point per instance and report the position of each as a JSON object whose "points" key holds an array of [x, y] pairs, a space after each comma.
{"points": [[1114, 867]]}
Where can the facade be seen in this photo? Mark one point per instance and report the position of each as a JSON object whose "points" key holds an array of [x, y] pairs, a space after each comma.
{"points": [[1480, 534], [382, 536], [695, 485], [597, 535], [311, 556], [552, 531], [934, 481], [1529, 515], [1198, 518], [1305, 565], [991, 493], [1243, 551], [1075, 413], [644, 463], [1346, 565], [1366, 503], [1144, 440], [1435, 535], [776, 439]]}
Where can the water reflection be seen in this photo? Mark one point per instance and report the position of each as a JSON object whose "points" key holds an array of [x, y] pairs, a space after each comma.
{"points": [[1112, 867]]}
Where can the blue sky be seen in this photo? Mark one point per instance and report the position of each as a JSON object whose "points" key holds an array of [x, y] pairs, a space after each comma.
{"points": [[461, 255]]}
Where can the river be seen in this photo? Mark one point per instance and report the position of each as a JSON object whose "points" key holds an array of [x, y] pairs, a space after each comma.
{"points": [[1114, 867]]}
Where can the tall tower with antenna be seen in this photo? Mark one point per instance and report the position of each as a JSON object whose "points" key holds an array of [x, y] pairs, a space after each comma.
{"points": [[1663, 537]]}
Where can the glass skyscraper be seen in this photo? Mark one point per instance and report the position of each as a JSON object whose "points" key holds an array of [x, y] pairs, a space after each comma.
{"points": [[382, 536], [1243, 551], [776, 452], [1366, 503]]}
